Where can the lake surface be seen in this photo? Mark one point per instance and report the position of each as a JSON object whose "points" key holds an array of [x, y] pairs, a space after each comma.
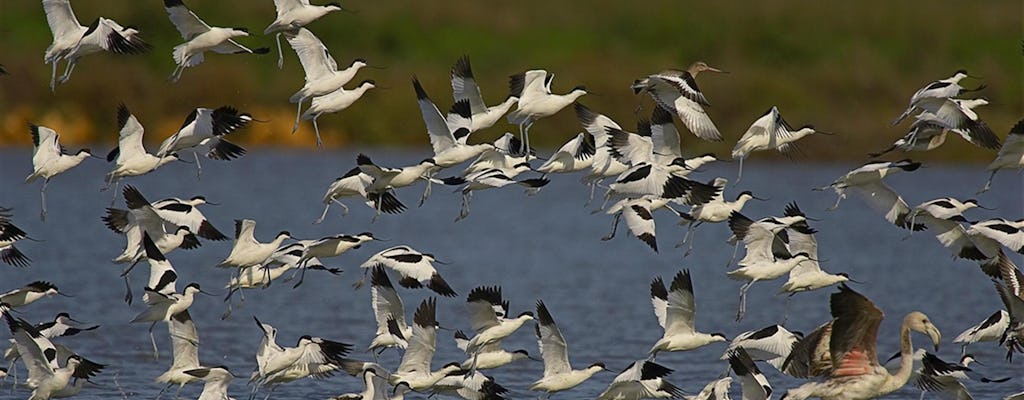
{"points": [[539, 247]]}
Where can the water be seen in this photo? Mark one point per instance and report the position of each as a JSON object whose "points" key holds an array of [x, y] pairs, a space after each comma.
{"points": [[541, 247]]}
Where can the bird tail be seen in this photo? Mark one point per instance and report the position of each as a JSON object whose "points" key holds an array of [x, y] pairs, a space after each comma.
{"points": [[517, 117], [182, 58]]}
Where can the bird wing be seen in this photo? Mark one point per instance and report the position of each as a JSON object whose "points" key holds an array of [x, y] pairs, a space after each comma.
{"points": [[640, 222], [320, 358], [464, 86], [687, 104], [187, 22], [552, 345], [460, 121], [61, 18], [230, 46], [1001, 231], [244, 230], [664, 135], [759, 135], [952, 236], [441, 137], [423, 342], [46, 147], [802, 240], [753, 383], [286, 6], [811, 356], [595, 124], [766, 344], [630, 148], [316, 60], [758, 238], [129, 140], [107, 34], [882, 198], [413, 266], [38, 353], [681, 308], [385, 301], [659, 300], [481, 302], [184, 341], [854, 333]]}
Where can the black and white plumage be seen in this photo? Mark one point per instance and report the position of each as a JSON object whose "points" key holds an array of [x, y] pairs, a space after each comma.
{"points": [[1006, 232], [558, 372], [322, 75], [989, 330], [959, 116], [414, 369], [416, 268], [48, 377], [471, 385], [638, 214], [677, 91], [311, 357], [464, 87], [72, 41], [770, 132], [675, 309], [217, 379], [28, 294], [867, 180], [49, 159], [771, 344], [184, 350], [333, 102], [536, 101], [1011, 154], [130, 156], [947, 378], [1013, 301], [353, 183], [163, 307], [489, 179], [659, 180], [575, 155], [388, 311], [293, 15], [938, 90], [9, 235], [947, 208], [642, 380], [604, 164], [204, 129], [753, 383], [200, 38], [142, 218], [246, 251], [488, 314]]}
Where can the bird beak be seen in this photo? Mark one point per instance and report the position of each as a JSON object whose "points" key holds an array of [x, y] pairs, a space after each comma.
{"points": [[985, 208], [207, 293], [854, 281], [823, 132], [713, 69], [444, 328], [212, 203], [377, 66], [935, 335], [64, 294], [812, 219], [763, 199], [185, 161], [540, 360]]}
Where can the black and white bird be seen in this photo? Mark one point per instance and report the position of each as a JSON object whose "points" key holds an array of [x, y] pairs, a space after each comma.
{"points": [[384, 180], [416, 268], [771, 344], [718, 209], [333, 102], [677, 91], [604, 163], [330, 246], [1011, 154], [1013, 301], [246, 250], [642, 380], [49, 159], [130, 156], [353, 184], [575, 155], [204, 130], [558, 373], [989, 330], [675, 309], [947, 208], [60, 326], [72, 41], [489, 179], [184, 350], [29, 294], [938, 90], [489, 356], [200, 38], [533, 89], [163, 307], [293, 15], [388, 312], [464, 87], [143, 218], [311, 357], [959, 116], [471, 385], [485, 303], [867, 180], [639, 216], [47, 376], [9, 235], [414, 369], [284, 259], [770, 132], [216, 381], [753, 383], [321, 70]]}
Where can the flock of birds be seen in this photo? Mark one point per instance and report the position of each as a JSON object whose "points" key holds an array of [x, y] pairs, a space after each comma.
{"points": [[647, 170]]}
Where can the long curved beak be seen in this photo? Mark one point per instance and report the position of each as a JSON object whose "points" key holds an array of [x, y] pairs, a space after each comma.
{"points": [[985, 208], [212, 203], [824, 133], [64, 294], [935, 335], [762, 199]]}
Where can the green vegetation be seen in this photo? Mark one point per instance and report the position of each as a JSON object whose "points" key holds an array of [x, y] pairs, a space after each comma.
{"points": [[846, 67]]}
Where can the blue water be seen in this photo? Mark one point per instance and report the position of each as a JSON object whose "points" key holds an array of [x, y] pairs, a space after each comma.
{"points": [[541, 247]]}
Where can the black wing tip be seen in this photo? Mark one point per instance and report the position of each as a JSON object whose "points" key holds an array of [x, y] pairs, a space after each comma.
{"points": [[651, 370], [426, 313], [682, 281], [462, 108], [122, 115], [152, 252], [133, 198], [661, 116], [173, 3], [208, 231], [584, 114], [420, 93], [462, 67], [658, 288], [543, 315], [439, 286], [379, 277]]}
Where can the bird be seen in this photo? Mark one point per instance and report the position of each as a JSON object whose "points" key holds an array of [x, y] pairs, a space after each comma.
{"points": [[850, 357], [763, 239], [558, 373], [641, 380], [770, 132], [717, 389], [201, 37], [414, 369], [753, 383], [989, 330], [575, 155], [469, 385], [184, 350], [130, 156], [940, 89], [47, 378], [490, 328], [868, 178], [505, 154], [638, 213], [293, 15], [677, 91], [675, 309], [1011, 154], [489, 356], [283, 259], [388, 312], [661, 181], [72, 41], [932, 374], [714, 211], [376, 386], [928, 132], [206, 128], [1013, 301], [489, 179], [947, 208], [60, 326], [353, 184], [416, 268], [163, 307], [321, 70], [763, 269], [1005, 232], [533, 89], [604, 164], [311, 357], [49, 159], [959, 116], [331, 246], [771, 344], [464, 87], [217, 379], [9, 235], [142, 218], [246, 251], [386, 179], [29, 294], [333, 102], [807, 275]]}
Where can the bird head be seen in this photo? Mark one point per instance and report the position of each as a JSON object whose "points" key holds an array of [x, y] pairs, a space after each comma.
{"points": [[919, 322], [719, 337]]}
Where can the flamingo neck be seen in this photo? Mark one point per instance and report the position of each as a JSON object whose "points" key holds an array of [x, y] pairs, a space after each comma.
{"points": [[906, 357]]}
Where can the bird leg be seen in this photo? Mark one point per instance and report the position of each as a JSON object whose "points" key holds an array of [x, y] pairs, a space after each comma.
{"points": [[735, 249], [161, 393], [319, 143], [323, 215], [67, 71], [199, 167], [691, 238], [838, 199], [298, 114], [615, 226], [53, 85], [280, 53], [42, 197], [743, 300], [740, 174], [361, 281], [156, 353], [127, 291], [464, 212], [988, 183], [426, 191], [785, 312]]}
